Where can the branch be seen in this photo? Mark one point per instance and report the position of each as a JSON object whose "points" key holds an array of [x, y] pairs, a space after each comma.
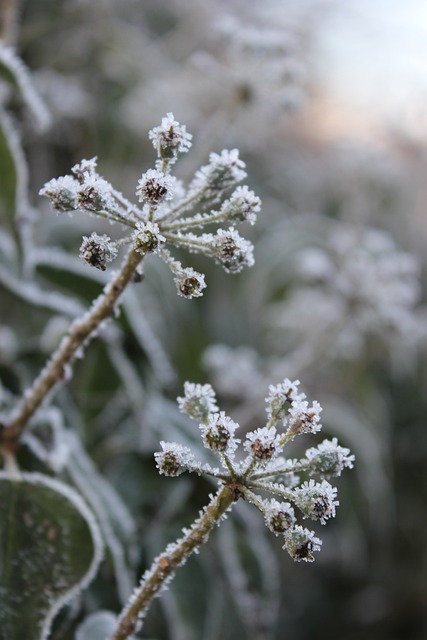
{"points": [[163, 568], [78, 337]]}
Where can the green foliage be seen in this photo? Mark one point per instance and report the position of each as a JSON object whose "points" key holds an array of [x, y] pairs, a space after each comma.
{"points": [[50, 547]]}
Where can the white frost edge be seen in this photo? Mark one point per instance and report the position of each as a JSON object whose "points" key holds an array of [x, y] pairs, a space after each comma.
{"points": [[78, 502]]}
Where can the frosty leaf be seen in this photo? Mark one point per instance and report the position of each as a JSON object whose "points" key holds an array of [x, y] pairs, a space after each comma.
{"points": [[50, 548], [9, 170]]}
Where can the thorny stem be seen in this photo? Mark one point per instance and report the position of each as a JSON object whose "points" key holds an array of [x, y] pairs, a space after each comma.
{"points": [[163, 568], [78, 336]]}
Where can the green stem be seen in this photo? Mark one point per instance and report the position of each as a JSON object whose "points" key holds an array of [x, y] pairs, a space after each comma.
{"points": [[163, 568], [78, 336]]}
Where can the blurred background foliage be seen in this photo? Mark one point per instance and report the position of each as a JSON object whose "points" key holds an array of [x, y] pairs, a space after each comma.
{"points": [[336, 298]]}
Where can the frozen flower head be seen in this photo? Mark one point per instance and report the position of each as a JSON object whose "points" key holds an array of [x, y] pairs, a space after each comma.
{"points": [[170, 138], [62, 193], [280, 398], [198, 402], [316, 500], [97, 251], [231, 251], [329, 459], [174, 459], [190, 283], [279, 516], [147, 237], [154, 187], [263, 444], [300, 543], [264, 469], [218, 433], [304, 419], [242, 206]]}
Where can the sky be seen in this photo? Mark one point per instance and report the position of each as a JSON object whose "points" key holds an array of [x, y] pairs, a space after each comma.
{"points": [[373, 55]]}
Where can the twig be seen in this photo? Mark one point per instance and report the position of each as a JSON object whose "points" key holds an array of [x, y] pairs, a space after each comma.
{"points": [[79, 335], [163, 568]]}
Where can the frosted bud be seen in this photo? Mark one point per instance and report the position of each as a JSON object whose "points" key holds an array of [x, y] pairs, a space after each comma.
{"points": [[155, 187], [280, 398], [279, 516], [170, 138], [316, 500], [147, 237], [85, 168], [97, 251], [218, 433], [94, 194], [174, 459], [242, 206], [62, 193], [232, 251], [198, 402], [301, 543], [263, 444], [304, 419], [190, 283], [328, 458]]}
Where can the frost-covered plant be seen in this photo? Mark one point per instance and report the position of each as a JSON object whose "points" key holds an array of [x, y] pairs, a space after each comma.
{"points": [[261, 468], [166, 218]]}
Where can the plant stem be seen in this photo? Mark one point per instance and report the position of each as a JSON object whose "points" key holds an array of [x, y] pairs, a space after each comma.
{"points": [[163, 568], [79, 334]]}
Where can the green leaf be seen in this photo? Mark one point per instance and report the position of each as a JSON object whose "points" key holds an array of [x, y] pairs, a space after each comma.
{"points": [[50, 548]]}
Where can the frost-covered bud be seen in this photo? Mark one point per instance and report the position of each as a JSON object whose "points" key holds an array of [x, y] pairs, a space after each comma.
{"points": [[155, 187], [263, 444], [223, 172], [170, 138], [97, 251], [300, 543], [198, 402], [174, 459], [279, 516], [280, 398], [242, 206], [85, 168], [218, 433], [304, 419], [316, 500], [62, 193], [328, 458], [147, 237], [94, 194], [232, 251], [190, 283]]}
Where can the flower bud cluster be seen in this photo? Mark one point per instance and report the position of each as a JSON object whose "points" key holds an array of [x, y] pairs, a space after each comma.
{"points": [[159, 221], [98, 250], [264, 468]]}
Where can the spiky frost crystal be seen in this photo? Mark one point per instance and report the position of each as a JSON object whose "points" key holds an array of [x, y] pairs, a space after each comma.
{"points": [[264, 468], [97, 251], [168, 215]]}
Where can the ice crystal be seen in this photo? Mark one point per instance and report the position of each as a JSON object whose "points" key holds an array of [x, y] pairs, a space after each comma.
{"points": [[62, 192], [174, 459], [279, 516], [218, 433], [300, 543], [263, 444], [190, 283], [224, 171], [242, 206]]}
